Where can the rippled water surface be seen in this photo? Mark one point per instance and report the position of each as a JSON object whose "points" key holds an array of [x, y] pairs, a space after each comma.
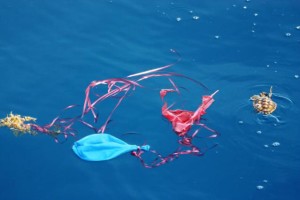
{"points": [[51, 50]]}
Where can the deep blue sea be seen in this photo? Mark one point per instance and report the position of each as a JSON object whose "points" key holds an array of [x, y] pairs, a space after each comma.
{"points": [[51, 50]]}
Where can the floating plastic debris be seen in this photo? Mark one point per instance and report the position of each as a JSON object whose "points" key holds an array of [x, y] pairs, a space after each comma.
{"points": [[102, 146]]}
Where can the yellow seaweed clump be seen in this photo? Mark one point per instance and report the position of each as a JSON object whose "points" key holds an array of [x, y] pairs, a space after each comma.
{"points": [[17, 124]]}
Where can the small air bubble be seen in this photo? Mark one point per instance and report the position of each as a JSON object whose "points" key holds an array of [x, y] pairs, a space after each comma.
{"points": [[266, 146], [268, 65], [241, 122], [245, 7], [178, 19], [259, 187], [217, 36], [259, 132], [195, 17], [265, 181], [296, 76], [275, 144], [298, 27], [288, 34], [255, 14]]}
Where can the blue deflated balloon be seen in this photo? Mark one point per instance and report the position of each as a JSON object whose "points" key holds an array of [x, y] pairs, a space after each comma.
{"points": [[102, 146]]}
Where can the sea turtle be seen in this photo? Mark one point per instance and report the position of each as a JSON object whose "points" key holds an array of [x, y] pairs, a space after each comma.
{"points": [[263, 103]]}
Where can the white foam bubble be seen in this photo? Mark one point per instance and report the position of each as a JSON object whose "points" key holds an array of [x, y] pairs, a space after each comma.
{"points": [[275, 144], [259, 187], [288, 34]]}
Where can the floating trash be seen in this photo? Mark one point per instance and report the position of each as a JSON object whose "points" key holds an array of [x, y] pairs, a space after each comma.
{"points": [[102, 146]]}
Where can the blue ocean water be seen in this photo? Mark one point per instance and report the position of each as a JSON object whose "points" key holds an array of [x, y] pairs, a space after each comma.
{"points": [[51, 50]]}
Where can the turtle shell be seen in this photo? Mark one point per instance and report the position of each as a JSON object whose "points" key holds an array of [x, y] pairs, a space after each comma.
{"points": [[263, 103]]}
